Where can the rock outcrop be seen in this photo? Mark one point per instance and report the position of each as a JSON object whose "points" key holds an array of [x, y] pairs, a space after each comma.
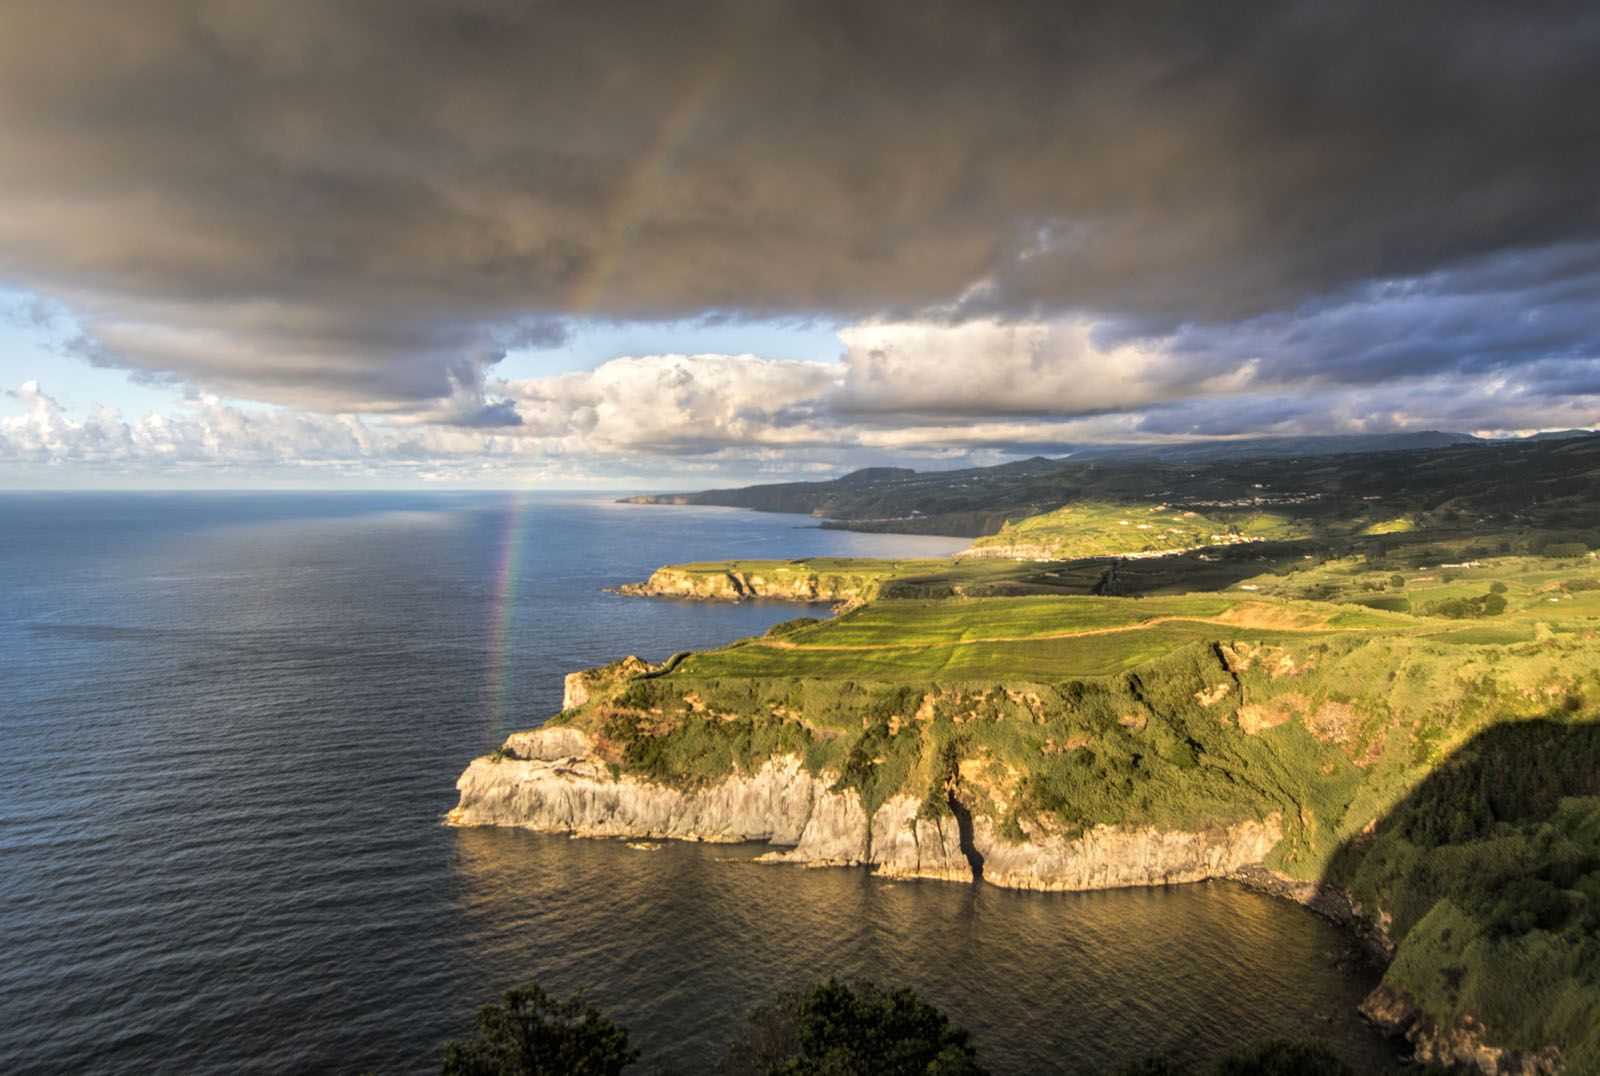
{"points": [[550, 780], [585, 684], [539, 785], [796, 584], [1461, 1043]]}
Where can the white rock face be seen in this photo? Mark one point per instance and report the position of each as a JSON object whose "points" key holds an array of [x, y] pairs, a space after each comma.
{"points": [[834, 834], [553, 783], [549, 744], [1110, 857], [574, 690]]}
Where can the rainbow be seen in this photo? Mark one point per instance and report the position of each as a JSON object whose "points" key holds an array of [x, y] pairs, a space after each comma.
{"points": [[502, 614], [633, 202], [630, 207]]}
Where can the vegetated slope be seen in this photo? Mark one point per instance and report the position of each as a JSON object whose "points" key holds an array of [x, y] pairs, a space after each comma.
{"points": [[1171, 711], [1404, 684], [1091, 528], [1487, 878], [1526, 480], [1050, 715]]}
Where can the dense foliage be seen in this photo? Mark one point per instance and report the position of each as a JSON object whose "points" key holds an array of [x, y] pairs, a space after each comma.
{"points": [[530, 1033], [830, 1028], [1277, 1057], [856, 1029]]}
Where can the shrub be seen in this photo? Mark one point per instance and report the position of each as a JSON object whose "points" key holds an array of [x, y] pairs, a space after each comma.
{"points": [[1491, 604], [1275, 1057], [1282, 1057], [1154, 1065], [530, 1033], [833, 1027]]}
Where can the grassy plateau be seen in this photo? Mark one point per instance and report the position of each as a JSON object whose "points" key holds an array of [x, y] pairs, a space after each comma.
{"points": [[1396, 654]]}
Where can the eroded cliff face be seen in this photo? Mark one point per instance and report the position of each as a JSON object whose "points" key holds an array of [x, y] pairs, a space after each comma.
{"points": [[1459, 1044], [550, 780], [541, 786], [797, 585]]}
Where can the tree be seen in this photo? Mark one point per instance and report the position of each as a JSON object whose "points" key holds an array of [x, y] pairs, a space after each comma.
{"points": [[859, 1029], [1154, 1065], [530, 1033], [1275, 1057], [1283, 1057], [1397, 581]]}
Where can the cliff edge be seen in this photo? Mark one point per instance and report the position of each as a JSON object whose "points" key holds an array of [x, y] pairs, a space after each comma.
{"points": [[551, 780]]}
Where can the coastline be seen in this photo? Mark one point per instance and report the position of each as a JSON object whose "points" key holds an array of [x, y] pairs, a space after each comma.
{"points": [[550, 780], [967, 829]]}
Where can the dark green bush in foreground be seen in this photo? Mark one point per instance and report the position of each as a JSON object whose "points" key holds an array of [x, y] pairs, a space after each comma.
{"points": [[530, 1033], [828, 1029], [839, 1029], [1282, 1057], [1276, 1057]]}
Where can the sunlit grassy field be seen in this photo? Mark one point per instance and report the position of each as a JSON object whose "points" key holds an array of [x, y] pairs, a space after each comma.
{"points": [[1092, 528]]}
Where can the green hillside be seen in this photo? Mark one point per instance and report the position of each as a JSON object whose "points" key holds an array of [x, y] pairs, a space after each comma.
{"points": [[1093, 528], [1346, 695], [1395, 655]]}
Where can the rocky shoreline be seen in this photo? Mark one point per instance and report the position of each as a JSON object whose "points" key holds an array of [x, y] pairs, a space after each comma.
{"points": [[555, 779], [551, 781]]}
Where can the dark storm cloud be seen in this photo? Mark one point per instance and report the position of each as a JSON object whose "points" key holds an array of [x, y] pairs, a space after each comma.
{"points": [[354, 204], [1494, 314]]}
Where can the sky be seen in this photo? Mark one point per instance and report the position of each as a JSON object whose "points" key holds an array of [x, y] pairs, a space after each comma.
{"points": [[300, 243]]}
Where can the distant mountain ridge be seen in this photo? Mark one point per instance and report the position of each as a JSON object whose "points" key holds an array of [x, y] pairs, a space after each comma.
{"points": [[1273, 447], [1559, 435], [977, 501]]}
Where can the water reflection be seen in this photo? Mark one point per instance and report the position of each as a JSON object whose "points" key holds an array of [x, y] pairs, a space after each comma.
{"points": [[676, 942]]}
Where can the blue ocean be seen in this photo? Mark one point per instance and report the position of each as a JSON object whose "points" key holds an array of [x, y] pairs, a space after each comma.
{"points": [[230, 726]]}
